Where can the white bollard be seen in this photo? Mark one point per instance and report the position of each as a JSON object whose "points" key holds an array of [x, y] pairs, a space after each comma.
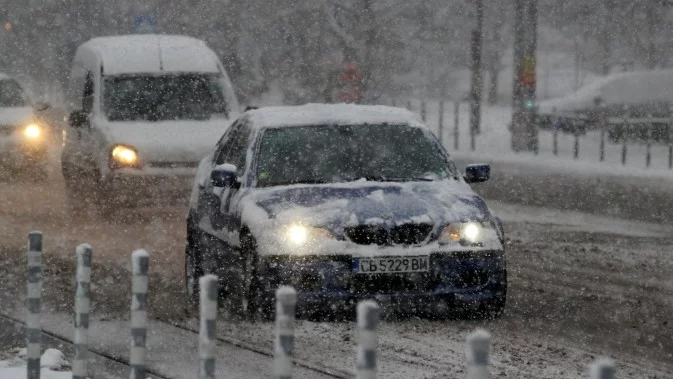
{"points": [[368, 321], [82, 307], [478, 351], [208, 286], [141, 262], [34, 305], [286, 306], [603, 369]]}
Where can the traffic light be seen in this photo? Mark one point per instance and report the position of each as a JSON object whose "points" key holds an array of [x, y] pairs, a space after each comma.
{"points": [[530, 104]]}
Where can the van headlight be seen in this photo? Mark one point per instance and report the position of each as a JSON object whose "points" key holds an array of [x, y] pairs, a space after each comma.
{"points": [[124, 156], [32, 131], [298, 235], [465, 233]]}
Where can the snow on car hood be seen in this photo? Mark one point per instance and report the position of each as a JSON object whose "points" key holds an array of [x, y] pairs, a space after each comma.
{"points": [[337, 206], [167, 141], [16, 116]]}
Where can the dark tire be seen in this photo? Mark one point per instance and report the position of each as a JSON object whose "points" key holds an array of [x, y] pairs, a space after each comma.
{"points": [[193, 266], [80, 202], [253, 304], [495, 308]]}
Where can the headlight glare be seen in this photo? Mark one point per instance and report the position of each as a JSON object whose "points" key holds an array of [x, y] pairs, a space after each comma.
{"points": [[124, 156], [32, 131], [470, 232], [299, 235]]}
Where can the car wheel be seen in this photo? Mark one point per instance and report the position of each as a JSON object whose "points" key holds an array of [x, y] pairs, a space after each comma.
{"points": [[79, 199], [193, 268], [253, 303], [496, 307]]}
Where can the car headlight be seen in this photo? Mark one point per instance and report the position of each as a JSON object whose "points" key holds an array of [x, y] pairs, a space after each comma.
{"points": [[32, 131], [299, 235], [124, 156], [464, 233]]}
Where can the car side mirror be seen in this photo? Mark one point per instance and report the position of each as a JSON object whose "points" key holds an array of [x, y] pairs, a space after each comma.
{"points": [[477, 173], [77, 119], [224, 176], [41, 107]]}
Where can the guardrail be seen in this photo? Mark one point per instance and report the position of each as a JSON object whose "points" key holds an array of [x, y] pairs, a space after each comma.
{"points": [[368, 317], [591, 136]]}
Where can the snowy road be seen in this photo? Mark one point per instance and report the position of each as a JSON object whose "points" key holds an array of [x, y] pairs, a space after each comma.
{"points": [[581, 286]]}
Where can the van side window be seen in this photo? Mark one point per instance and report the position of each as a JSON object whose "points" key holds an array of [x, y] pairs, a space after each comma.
{"points": [[87, 96]]}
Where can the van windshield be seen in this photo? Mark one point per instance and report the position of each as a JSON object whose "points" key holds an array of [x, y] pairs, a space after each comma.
{"points": [[11, 94], [162, 98]]}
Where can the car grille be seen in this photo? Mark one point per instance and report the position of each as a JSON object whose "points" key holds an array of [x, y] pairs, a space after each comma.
{"points": [[163, 164], [6, 130], [405, 234], [389, 283]]}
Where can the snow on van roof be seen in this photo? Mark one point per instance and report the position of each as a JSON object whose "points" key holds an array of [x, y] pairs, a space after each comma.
{"points": [[331, 114], [150, 53]]}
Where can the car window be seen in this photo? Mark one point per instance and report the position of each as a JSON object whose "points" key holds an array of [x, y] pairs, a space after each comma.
{"points": [[224, 145], [87, 95], [12, 95], [239, 149]]}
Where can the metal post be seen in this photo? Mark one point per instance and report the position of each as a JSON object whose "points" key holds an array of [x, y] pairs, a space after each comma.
{"points": [[139, 286], [476, 85], [648, 155], [555, 142], [576, 147], [440, 123], [603, 369], [478, 351], [368, 321], [624, 145], [456, 124], [424, 111], [82, 308], [670, 148], [208, 286], [34, 305], [394, 101], [409, 107], [286, 305]]}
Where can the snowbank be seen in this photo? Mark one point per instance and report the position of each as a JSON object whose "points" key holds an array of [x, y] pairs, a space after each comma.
{"points": [[54, 365]]}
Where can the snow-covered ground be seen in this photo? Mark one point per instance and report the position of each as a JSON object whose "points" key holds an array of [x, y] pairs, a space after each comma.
{"points": [[53, 363]]}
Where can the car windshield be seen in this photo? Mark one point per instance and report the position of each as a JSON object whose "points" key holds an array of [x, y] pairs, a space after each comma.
{"points": [[160, 98], [11, 94], [327, 154]]}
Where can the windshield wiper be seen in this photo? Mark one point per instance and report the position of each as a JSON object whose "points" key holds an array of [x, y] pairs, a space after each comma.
{"points": [[302, 181], [392, 179]]}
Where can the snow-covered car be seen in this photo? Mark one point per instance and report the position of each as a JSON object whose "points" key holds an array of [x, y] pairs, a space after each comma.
{"points": [[23, 136], [642, 99], [343, 202], [143, 110]]}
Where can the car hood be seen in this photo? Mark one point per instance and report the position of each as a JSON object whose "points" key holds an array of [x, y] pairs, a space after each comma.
{"points": [[366, 203], [167, 141], [16, 116]]}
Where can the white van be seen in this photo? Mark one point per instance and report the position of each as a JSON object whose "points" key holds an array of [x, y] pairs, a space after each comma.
{"points": [[144, 109]]}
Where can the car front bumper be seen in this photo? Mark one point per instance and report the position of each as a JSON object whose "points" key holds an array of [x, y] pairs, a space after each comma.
{"points": [[135, 187], [16, 152], [466, 278]]}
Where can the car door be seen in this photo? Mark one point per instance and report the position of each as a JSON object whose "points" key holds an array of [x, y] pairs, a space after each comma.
{"points": [[210, 198]]}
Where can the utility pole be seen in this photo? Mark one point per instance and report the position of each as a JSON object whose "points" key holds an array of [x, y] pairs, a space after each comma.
{"points": [[524, 107], [477, 85]]}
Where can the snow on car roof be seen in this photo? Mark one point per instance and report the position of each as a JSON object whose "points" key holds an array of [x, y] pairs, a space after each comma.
{"points": [[331, 114], [149, 53]]}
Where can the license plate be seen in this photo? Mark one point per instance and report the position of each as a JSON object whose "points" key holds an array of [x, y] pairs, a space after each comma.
{"points": [[391, 265]]}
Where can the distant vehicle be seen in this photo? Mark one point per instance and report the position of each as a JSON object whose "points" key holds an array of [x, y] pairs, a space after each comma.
{"points": [[640, 101], [343, 202], [143, 110], [23, 137]]}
